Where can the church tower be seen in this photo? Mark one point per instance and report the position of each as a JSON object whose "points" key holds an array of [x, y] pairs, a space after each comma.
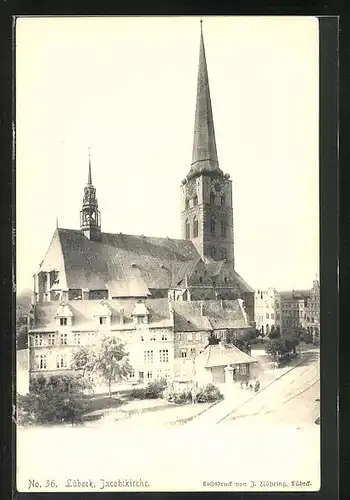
{"points": [[206, 193], [90, 218]]}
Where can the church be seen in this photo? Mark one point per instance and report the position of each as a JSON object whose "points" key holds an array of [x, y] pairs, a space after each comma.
{"points": [[163, 297]]}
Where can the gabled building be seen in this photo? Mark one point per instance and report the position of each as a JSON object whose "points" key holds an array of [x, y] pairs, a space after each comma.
{"points": [[92, 282]]}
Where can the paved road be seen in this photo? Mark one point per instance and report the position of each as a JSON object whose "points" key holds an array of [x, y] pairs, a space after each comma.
{"points": [[294, 398]]}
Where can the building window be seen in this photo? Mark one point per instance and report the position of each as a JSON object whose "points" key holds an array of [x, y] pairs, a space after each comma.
{"points": [[243, 369], [103, 320], [63, 321], [222, 200], [193, 351], [188, 230], [51, 339], [132, 375], [164, 355], [148, 356], [38, 339], [166, 373], [267, 316], [164, 336], [272, 316], [187, 204], [159, 374], [42, 362], [223, 229], [183, 353], [212, 224], [223, 254], [76, 338], [91, 338], [195, 227], [198, 336], [61, 361], [149, 375], [64, 338], [140, 320], [195, 201]]}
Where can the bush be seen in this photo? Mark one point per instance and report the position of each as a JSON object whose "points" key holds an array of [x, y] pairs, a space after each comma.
{"points": [[208, 394], [177, 397], [153, 390], [56, 399]]}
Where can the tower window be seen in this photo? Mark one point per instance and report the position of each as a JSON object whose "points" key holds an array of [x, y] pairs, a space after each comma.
{"points": [[195, 201], [212, 198], [63, 321], [195, 227], [212, 224], [213, 252], [187, 203], [223, 228], [200, 279], [223, 253], [222, 200], [188, 230]]}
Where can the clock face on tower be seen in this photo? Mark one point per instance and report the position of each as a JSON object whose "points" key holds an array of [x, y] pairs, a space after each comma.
{"points": [[217, 187]]}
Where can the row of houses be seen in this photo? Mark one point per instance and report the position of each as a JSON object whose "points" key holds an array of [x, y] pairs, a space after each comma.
{"points": [[294, 311]]}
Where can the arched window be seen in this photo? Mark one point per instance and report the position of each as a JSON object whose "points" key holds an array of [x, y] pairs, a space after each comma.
{"points": [[213, 252], [223, 228], [195, 227], [223, 253], [200, 279], [187, 203], [188, 230], [212, 224], [222, 200], [212, 198], [195, 201], [225, 279]]}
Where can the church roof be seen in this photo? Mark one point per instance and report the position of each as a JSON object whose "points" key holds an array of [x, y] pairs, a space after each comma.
{"points": [[204, 154], [126, 265], [129, 265]]}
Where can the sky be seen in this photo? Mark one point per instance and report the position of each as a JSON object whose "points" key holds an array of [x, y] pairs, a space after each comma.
{"points": [[126, 87]]}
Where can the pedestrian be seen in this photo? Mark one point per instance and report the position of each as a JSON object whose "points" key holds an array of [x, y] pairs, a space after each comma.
{"points": [[250, 387], [246, 383], [257, 386]]}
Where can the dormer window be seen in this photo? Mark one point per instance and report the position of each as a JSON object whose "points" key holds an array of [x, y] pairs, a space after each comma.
{"points": [[103, 320], [140, 313], [63, 321]]}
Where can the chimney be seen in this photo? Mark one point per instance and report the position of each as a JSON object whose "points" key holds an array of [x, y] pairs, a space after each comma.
{"points": [[121, 316]]}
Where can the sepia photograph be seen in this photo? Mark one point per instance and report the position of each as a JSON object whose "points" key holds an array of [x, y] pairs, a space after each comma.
{"points": [[167, 256]]}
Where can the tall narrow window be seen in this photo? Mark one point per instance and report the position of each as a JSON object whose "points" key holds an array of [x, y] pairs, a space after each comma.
{"points": [[213, 252], [222, 200], [187, 203], [212, 224], [212, 198], [195, 227], [188, 230], [223, 253], [195, 201], [223, 228]]}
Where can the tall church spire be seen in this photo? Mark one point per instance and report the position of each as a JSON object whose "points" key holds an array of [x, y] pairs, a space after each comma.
{"points": [[204, 154]]}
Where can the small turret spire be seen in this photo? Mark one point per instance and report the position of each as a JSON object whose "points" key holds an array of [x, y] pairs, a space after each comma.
{"points": [[89, 175]]}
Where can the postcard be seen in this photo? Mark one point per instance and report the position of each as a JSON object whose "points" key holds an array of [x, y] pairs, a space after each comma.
{"points": [[168, 290]]}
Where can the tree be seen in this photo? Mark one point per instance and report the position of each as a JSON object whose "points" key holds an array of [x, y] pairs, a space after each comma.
{"points": [[274, 333], [274, 347], [23, 306], [84, 359], [243, 344], [112, 361], [212, 339]]}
